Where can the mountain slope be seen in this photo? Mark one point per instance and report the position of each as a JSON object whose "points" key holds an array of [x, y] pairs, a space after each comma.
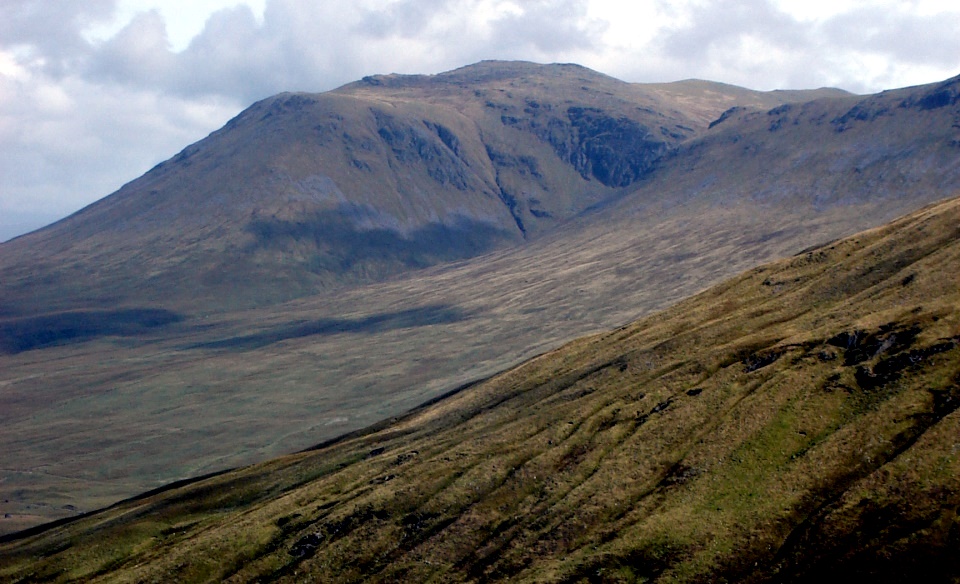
{"points": [[302, 192], [887, 147], [149, 354], [798, 421]]}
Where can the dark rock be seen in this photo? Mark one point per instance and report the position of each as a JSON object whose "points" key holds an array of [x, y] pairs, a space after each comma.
{"points": [[680, 474], [889, 369], [726, 115], [760, 360], [942, 97], [869, 346], [540, 214], [845, 340], [307, 546], [615, 151], [405, 457], [865, 111], [661, 406], [414, 145], [867, 380], [287, 519], [446, 136], [780, 110]]}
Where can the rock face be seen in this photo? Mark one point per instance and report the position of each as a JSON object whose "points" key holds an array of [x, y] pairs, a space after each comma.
{"points": [[302, 192]]}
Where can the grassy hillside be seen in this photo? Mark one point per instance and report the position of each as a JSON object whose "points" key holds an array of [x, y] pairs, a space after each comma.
{"points": [[796, 422], [120, 407]]}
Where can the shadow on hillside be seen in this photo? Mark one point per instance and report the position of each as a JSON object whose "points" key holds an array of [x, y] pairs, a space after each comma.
{"points": [[376, 323], [343, 245], [25, 334]]}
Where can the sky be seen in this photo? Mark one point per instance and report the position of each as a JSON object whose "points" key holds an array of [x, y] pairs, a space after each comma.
{"points": [[93, 93]]}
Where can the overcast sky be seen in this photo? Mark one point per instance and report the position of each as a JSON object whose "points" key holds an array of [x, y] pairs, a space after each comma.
{"points": [[95, 92]]}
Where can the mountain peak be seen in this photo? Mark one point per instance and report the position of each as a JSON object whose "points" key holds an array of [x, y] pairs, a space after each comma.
{"points": [[480, 73]]}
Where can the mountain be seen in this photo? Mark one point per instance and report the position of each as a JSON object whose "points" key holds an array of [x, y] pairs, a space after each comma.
{"points": [[139, 346], [884, 147], [796, 423], [305, 192]]}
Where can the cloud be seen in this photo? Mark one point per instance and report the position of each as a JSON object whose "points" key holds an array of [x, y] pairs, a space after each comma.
{"points": [[49, 33], [315, 46], [405, 19], [521, 30], [138, 55], [901, 35], [759, 44], [727, 24], [549, 29]]}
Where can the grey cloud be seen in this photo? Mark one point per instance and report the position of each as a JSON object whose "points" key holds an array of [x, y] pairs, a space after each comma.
{"points": [[51, 30], [725, 24], [232, 56], [303, 45], [139, 54], [299, 46], [314, 46], [449, 36], [753, 41], [548, 27], [405, 19], [737, 42], [898, 34]]}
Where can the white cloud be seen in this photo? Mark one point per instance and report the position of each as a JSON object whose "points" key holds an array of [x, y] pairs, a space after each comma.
{"points": [[767, 44], [94, 92]]}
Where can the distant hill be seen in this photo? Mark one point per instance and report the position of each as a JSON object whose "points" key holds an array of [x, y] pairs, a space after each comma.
{"points": [[306, 192], [889, 150], [798, 423]]}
